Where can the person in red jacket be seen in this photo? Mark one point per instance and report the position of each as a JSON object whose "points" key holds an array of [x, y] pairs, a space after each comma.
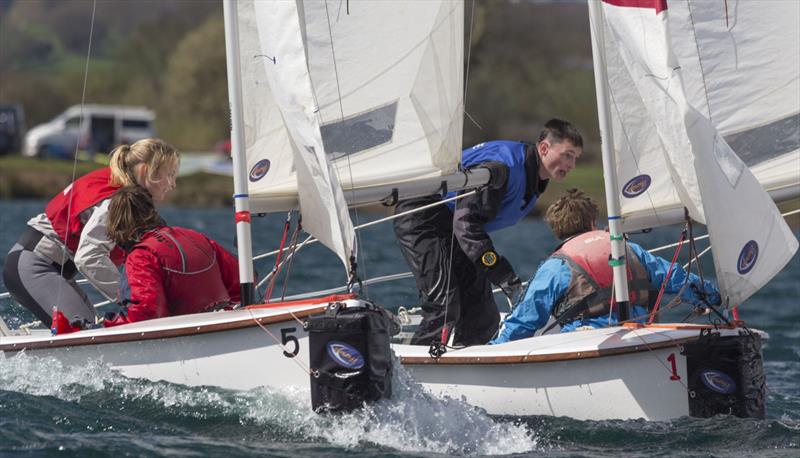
{"points": [[70, 236], [171, 270]]}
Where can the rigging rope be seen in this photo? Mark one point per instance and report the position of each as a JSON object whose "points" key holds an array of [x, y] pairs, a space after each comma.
{"points": [[666, 278], [353, 273], [278, 263], [64, 248], [290, 257], [297, 360], [313, 239]]}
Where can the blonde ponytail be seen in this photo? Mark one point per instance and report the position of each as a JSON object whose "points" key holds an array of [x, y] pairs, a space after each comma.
{"points": [[121, 174], [152, 152]]}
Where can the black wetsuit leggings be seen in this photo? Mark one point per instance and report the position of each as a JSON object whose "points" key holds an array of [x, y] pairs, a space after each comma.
{"points": [[425, 239]]}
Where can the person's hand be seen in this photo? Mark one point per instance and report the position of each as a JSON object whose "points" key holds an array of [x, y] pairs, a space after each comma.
{"points": [[707, 294], [512, 289], [115, 319], [501, 274], [712, 295]]}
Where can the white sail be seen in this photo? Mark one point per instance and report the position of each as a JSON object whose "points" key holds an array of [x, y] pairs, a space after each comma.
{"points": [[740, 68], [671, 153], [386, 79], [281, 34]]}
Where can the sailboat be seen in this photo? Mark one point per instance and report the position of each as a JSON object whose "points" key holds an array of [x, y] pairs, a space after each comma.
{"points": [[337, 105]]}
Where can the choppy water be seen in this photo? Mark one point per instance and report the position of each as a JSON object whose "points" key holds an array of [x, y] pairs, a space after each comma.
{"points": [[47, 409]]}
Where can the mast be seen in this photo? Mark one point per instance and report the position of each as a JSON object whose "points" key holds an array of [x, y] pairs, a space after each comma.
{"points": [[241, 197], [617, 260]]}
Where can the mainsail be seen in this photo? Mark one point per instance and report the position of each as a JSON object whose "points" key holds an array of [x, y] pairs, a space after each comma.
{"points": [[340, 96], [685, 79]]}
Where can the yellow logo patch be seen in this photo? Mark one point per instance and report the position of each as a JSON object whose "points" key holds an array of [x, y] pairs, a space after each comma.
{"points": [[489, 258]]}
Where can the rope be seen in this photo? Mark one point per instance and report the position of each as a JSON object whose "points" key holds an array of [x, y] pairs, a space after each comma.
{"points": [[469, 53], [666, 278], [353, 274], [278, 264], [75, 151], [400, 276], [297, 360], [651, 350], [312, 239], [290, 259]]}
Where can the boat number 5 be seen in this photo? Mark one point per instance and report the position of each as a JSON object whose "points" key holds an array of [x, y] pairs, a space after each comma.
{"points": [[286, 339], [671, 359]]}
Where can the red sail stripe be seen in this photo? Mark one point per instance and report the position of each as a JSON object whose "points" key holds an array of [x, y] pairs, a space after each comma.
{"points": [[658, 5]]}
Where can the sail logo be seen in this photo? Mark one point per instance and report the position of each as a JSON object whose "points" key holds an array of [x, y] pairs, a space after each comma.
{"points": [[718, 381], [747, 257], [345, 355], [259, 170], [636, 185]]}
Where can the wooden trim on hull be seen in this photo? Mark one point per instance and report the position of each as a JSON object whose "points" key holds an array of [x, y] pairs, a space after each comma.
{"points": [[521, 359], [160, 334]]}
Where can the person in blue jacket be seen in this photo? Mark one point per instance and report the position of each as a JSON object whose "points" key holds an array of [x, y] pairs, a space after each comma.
{"points": [[449, 249], [574, 284]]}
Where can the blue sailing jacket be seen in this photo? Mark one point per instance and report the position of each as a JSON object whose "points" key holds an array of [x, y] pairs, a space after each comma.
{"points": [[512, 154], [550, 282]]}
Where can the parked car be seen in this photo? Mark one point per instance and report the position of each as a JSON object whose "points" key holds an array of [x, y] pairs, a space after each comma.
{"points": [[93, 128], [12, 128]]}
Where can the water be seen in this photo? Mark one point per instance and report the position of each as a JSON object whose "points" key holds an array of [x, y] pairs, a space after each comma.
{"points": [[47, 409]]}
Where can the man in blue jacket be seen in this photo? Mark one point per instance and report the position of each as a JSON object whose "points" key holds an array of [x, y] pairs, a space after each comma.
{"points": [[574, 283], [449, 249]]}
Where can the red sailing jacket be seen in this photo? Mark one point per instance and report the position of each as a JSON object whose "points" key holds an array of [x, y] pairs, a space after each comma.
{"points": [[589, 290], [85, 192], [176, 271]]}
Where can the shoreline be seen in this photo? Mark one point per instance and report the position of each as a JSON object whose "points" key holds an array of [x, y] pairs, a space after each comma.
{"points": [[31, 178]]}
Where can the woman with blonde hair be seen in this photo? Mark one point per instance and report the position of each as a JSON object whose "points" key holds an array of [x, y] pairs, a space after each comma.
{"points": [[71, 235]]}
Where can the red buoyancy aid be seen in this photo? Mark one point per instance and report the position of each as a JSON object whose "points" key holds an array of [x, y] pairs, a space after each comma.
{"points": [[589, 291], [85, 192], [192, 276]]}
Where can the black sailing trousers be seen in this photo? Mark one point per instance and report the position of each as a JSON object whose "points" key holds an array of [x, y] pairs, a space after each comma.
{"points": [[466, 298]]}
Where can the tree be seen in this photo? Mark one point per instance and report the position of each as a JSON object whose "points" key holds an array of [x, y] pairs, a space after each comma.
{"points": [[196, 87]]}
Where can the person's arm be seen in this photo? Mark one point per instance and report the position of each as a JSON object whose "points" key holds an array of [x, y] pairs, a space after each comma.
{"points": [[229, 267], [146, 279], [657, 269], [546, 287], [473, 212], [93, 256], [469, 220]]}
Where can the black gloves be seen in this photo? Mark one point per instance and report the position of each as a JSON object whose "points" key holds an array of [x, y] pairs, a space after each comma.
{"points": [[513, 290], [501, 274]]}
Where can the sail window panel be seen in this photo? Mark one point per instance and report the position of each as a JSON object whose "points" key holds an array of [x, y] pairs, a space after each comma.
{"points": [[763, 143], [359, 133]]}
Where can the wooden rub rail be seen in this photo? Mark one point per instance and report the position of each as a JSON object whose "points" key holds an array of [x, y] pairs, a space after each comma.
{"points": [[137, 335], [550, 357]]}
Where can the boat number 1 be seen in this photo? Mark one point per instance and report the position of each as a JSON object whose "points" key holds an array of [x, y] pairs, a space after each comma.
{"points": [[286, 338], [671, 359]]}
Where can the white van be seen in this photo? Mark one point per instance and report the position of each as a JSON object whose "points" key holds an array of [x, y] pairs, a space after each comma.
{"points": [[104, 127]]}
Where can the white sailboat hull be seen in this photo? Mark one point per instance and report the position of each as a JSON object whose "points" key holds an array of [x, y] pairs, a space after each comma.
{"points": [[617, 387], [615, 373]]}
